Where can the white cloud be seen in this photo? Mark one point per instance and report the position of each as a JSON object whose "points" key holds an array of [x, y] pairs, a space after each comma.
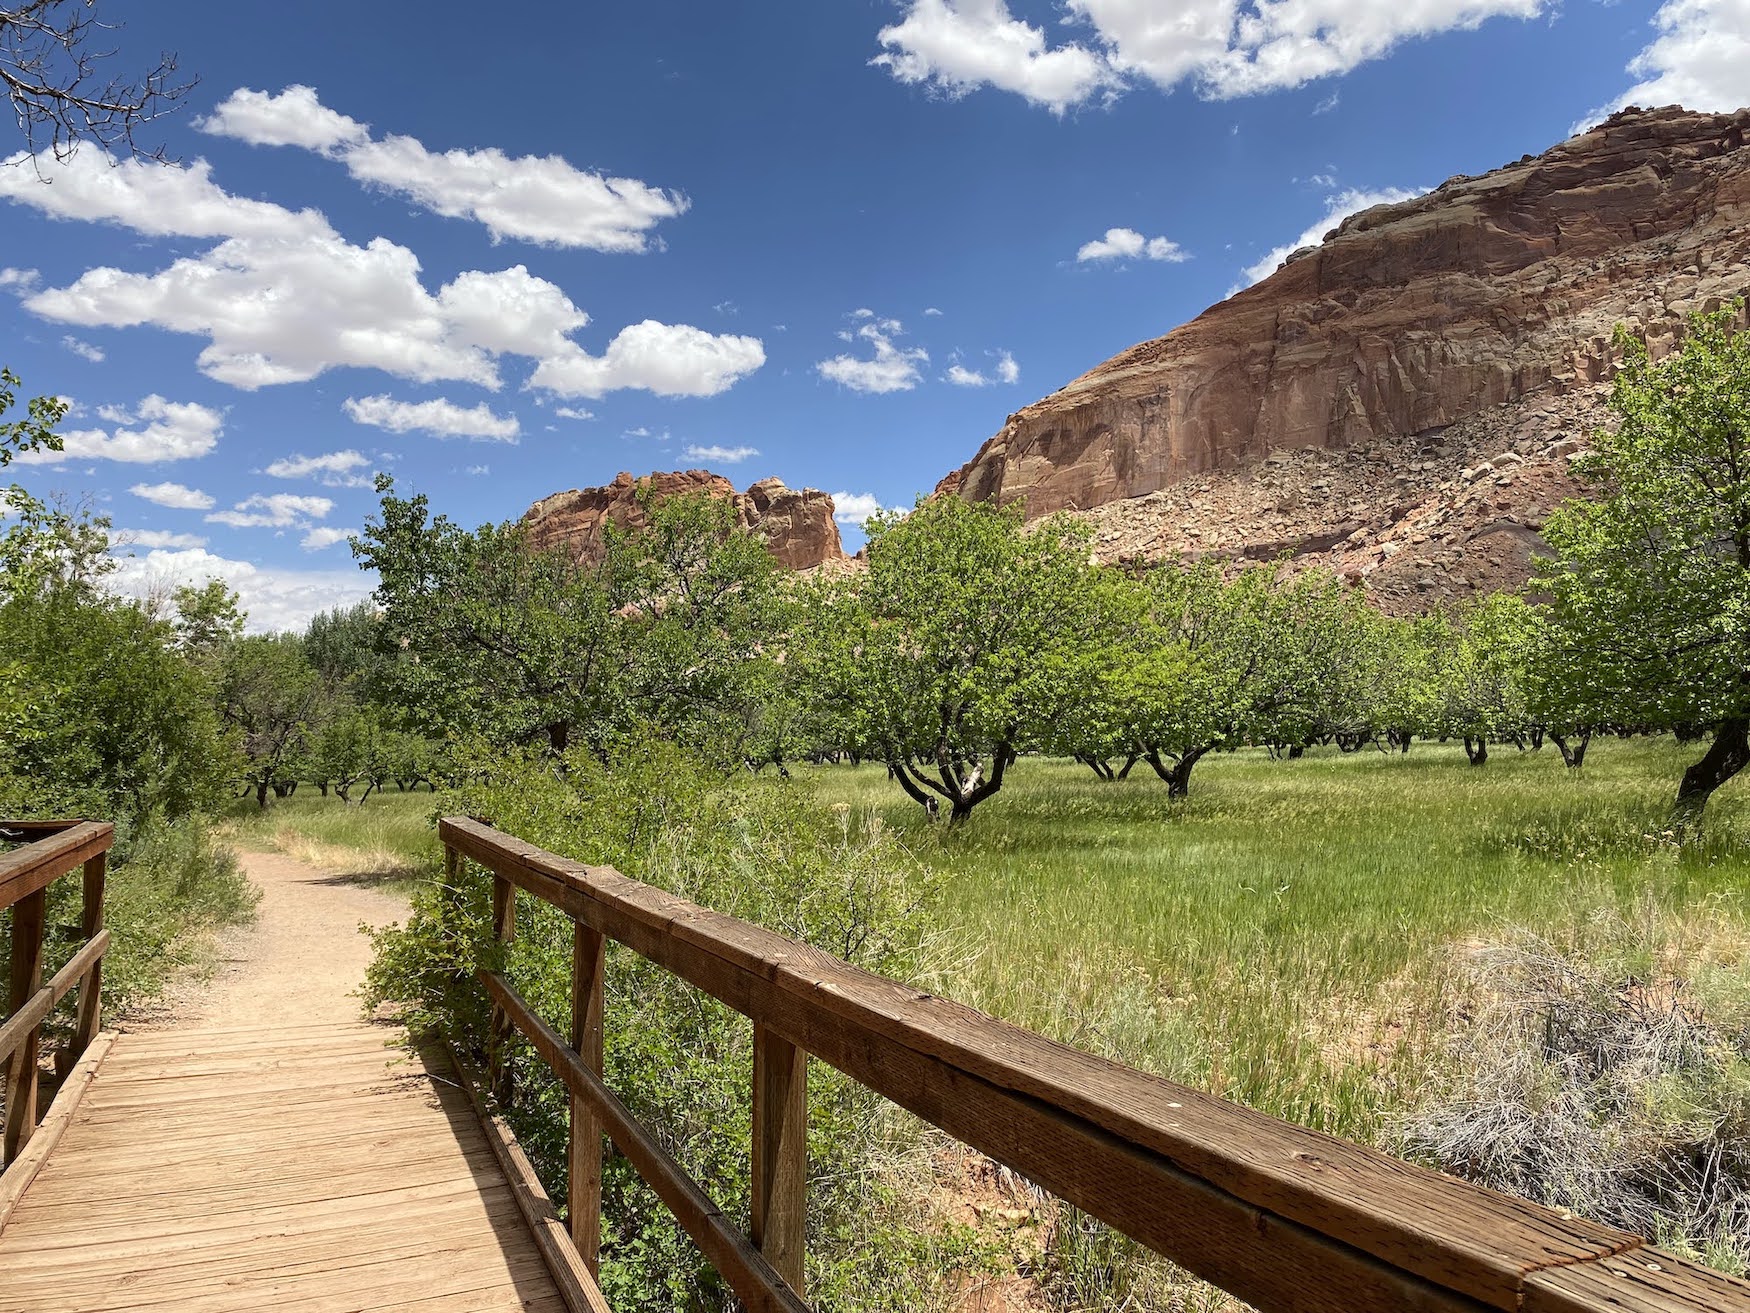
{"points": [[855, 507], [1128, 244], [84, 350], [1700, 59], [20, 282], [1337, 208], [152, 198], [573, 412], [957, 46], [439, 417], [275, 510], [724, 455], [892, 368], [931, 310], [335, 469], [283, 298], [155, 538], [174, 495], [1007, 370], [323, 536], [1226, 47], [292, 118], [174, 430], [1004, 371], [274, 599], [541, 199], [671, 360]]}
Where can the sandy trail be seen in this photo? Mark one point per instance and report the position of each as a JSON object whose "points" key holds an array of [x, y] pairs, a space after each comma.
{"points": [[301, 962]]}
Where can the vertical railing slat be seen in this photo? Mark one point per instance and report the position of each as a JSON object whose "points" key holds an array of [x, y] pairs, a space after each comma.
{"points": [[584, 1201], [503, 1029], [780, 1153], [26, 973], [90, 925]]}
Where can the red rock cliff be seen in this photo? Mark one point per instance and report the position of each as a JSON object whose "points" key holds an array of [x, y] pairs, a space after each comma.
{"points": [[1407, 319], [798, 524]]}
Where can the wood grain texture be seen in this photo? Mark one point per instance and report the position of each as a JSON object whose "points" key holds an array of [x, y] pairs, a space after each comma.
{"points": [[584, 1146], [780, 1153], [40, 863], [26, 976], [1282, 1216], [316, 1168]]}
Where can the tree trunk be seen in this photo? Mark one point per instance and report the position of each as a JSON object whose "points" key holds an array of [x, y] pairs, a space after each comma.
{"points": [[1476, 749], [1296, 751], [261, 787], [1124, 771], [1728, 755], [897, 770], [1573, 754]]}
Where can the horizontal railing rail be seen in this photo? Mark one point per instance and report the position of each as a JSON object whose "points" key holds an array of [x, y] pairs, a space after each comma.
{"points": [[1278, 1215], [47, 851]]}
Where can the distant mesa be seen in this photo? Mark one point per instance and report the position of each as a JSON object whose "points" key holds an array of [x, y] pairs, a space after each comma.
{"points": [[797, 524], [1400, 402]]}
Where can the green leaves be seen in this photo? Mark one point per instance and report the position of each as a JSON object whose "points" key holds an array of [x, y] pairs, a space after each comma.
{"points": [[35, 430]]}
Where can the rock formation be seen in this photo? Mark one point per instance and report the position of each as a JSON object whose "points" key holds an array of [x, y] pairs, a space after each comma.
{"points": [[1360, 386], [798, 524]]}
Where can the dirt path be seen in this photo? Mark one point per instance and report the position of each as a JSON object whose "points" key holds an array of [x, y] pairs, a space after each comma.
{"points": [[301, 962]]}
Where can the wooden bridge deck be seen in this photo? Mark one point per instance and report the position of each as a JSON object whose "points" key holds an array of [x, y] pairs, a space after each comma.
{"points": [[299, 1168]]}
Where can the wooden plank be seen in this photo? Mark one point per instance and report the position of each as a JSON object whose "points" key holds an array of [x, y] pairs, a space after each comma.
{"points": [[1647, 1280], [576, 1281], [26, 972], [1347, 1205], [502, 1032], [91, 928], [584, 1142], [37, 1007], [24, 871], [742, 1266], [22, 1171], [780, 1153]]}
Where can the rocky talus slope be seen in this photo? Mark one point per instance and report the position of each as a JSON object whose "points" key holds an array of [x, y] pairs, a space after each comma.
{"points": [[797, 524], [1401, 402]]}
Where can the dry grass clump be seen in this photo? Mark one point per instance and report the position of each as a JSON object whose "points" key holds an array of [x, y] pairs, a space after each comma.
{"points": [[1597, 1081]]}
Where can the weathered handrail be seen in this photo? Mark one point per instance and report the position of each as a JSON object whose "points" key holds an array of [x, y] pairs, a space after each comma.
{"points": [[50, 850], [1280, 1216]]}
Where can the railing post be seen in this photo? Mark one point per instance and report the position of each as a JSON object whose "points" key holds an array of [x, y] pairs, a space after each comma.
{"points": [[27, 977], [780, 1153], [90, 926], [584, 1197], [503, 1029]]}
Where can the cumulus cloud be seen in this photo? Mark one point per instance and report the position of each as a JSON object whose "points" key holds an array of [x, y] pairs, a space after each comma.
{"points": [[439, 417], [174, 495], [1225, 48], [957, 46], [283, 298], [275, 510], [892, 368], [274, 599], [540, 199], [722, 455], [1337, 208], [165, 430], [323, 536], [336, 469], [855, 508], [573, 412], [84, 350], [1128, 244], [1005, 370], [19, 282], [671, 360], [122, 538], [1700, 59]]}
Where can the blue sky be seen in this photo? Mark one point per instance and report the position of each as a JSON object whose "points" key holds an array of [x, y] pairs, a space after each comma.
{"points": [[834, 242]]}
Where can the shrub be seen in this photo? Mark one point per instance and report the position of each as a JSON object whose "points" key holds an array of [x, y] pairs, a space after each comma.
{"points": [[1598, 1082], [765, 851]]}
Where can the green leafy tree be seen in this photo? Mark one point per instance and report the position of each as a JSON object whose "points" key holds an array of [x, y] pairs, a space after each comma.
{"points": [[1483, 674], [1649, 585], [209, 618], [968, 634], [268, 692]]}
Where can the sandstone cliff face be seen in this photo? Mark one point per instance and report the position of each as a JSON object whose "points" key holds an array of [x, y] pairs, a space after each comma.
{"points": [[1489, 291], [798, 524]]}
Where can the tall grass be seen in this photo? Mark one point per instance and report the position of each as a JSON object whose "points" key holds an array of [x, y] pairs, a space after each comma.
{"points": [[388, 834]]}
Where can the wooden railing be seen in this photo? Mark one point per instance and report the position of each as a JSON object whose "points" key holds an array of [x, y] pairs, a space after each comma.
{"points": [[1280, 1216], [49, 850]]}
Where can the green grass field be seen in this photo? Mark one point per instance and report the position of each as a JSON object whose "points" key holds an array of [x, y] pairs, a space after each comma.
{"points": [[1292, 936]]}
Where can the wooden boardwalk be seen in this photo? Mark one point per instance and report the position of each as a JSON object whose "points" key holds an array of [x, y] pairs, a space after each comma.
{"points": [[292, 1168]]}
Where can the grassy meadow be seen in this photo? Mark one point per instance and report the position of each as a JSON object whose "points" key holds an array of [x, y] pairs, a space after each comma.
{"points": [[1294, 935]]}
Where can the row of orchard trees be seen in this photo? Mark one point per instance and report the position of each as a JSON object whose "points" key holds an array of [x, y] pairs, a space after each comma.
{"points": [[971, 638]]}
